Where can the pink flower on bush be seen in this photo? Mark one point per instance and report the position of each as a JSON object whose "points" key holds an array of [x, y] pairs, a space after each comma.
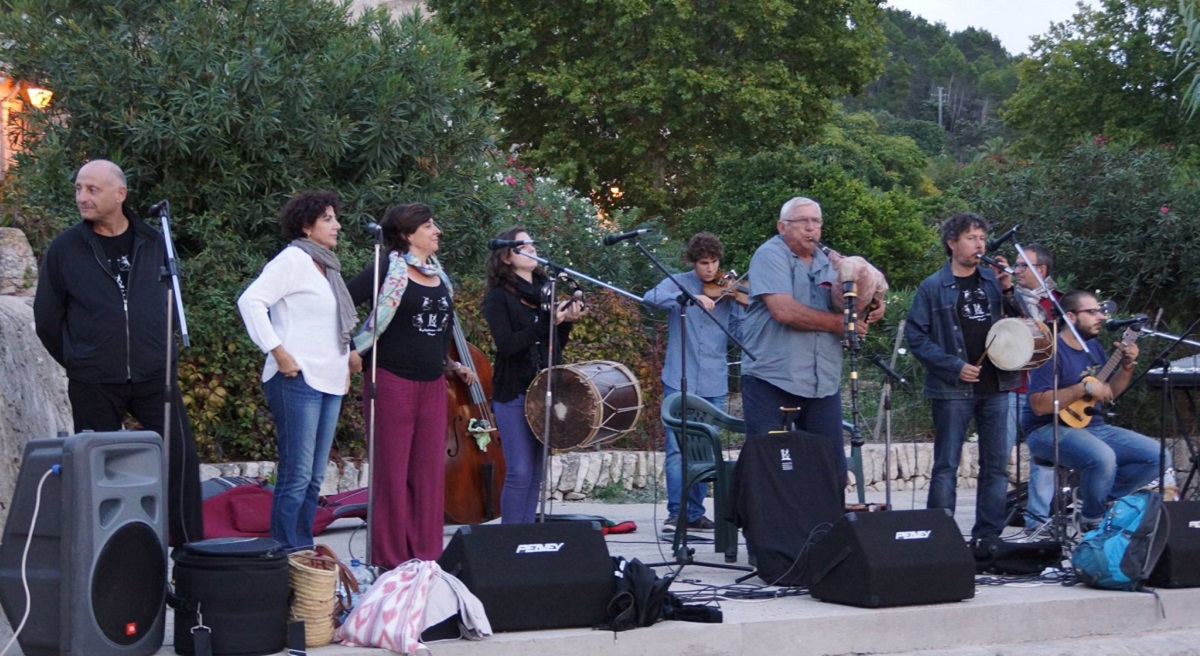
{"points": [[510, 181], [1164, 209]]}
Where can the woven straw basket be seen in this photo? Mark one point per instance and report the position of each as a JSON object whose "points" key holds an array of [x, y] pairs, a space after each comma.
{"points": [[313, 576]]}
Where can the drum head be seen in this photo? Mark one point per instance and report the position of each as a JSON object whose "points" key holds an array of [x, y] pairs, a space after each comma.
{"points": [[572, 415], [1018, 344]]}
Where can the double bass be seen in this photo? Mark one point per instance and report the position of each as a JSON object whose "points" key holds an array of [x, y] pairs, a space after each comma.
{"points": [[474, 475]]}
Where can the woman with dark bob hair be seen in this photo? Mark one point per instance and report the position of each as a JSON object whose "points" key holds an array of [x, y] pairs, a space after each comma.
{"points": [[518, 317], [413, 332], [299, 312]]}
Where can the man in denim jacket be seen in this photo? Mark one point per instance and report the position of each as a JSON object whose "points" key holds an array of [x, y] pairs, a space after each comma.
{"points": [[947, 329]]}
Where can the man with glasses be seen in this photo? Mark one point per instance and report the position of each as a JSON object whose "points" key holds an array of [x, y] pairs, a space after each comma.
{"points": [[947, 328], [794, 331], [1111, 461], [1037, 306]]}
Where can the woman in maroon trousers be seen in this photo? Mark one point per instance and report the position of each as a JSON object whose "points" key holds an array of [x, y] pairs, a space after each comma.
{"points": [[414, 333]]}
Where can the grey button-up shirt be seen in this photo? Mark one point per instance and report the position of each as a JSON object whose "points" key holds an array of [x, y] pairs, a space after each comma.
{"points": [[806, 363]]}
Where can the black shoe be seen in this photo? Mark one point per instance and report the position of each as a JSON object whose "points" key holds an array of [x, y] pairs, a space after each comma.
{"points": [[701, 524], [669, 525]]}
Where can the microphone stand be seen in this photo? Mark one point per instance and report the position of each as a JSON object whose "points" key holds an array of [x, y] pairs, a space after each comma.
{"points": [[1163, 360], [170, 271], [1058, 512], [889, 376], [684, 555], [555, 270], [371, 393]]}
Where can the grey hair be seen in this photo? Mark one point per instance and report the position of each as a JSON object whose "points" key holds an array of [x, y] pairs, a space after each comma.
{"points": [[798, 201]]}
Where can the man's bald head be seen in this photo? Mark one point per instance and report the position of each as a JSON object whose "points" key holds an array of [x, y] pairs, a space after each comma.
{"points": [[105, 168], [99, 192]]}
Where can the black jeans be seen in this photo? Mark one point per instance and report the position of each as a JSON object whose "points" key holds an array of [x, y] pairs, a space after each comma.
{"points": [[103, 406]]}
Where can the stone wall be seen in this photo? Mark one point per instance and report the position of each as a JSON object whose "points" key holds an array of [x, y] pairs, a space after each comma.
{"points": [[577, 475], [33, 388]]}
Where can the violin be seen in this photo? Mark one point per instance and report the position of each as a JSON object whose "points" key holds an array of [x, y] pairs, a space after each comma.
{"points": [[729, 284]]}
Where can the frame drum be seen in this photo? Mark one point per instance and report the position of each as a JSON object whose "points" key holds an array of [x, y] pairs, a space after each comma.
{"points": [[594, 402], [1019, 344]]}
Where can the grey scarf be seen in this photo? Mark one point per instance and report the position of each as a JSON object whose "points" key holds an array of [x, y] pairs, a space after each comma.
{"points": [[347, 318]]}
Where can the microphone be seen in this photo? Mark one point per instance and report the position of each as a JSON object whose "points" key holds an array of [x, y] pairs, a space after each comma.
{"points": [[1116, 324], [622, 236], [159, 207], [373, 229], [988, 259], [999, 241], [878, 361], [497, 244]]}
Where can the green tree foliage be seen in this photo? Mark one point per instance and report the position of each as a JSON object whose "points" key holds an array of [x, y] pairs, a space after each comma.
{"points": [[1118, 219], [888, 228], [1110, 70], [226, 108], [646, 94], [971, 67]]}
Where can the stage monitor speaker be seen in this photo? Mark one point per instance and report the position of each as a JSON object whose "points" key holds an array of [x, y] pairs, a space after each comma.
{"points": [[894, 558], [97, 567], [1179, 565], [534, 576]]}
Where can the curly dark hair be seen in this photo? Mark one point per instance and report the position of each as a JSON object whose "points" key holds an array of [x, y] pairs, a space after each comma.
{"points": [[702, 245], [500, 273], [401, 221], [303, 210], [960, 223]]}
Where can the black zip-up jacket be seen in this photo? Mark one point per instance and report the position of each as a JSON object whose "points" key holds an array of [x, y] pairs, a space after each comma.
{"points": [[82, 319]]}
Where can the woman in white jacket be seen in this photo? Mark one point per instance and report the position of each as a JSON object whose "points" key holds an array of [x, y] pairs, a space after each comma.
{"points": [[299, 313]]}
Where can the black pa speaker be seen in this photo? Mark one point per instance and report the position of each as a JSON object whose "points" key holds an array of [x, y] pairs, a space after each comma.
{"points": [[534, 576], [96, 565], [1179, 565], [895, 558]]}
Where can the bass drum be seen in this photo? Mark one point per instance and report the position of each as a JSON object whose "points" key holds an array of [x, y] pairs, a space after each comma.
{"points": [[1019, 344], [594, 402]]}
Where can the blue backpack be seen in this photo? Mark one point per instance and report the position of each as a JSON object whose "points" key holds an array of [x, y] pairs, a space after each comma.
{"points": [[1122, 551]]}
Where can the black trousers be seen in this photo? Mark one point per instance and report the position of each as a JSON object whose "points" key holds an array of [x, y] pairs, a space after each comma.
{"points": [[103, 406]]}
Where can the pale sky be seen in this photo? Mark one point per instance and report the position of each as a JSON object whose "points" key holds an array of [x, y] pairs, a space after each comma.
{"points": [[1012, 21]]}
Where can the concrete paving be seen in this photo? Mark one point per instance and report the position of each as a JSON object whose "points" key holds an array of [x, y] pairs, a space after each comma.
{"points": [[1037, 618]]}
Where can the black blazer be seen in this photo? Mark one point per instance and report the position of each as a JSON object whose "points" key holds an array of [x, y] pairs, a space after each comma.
{"points": [[520, 335]]}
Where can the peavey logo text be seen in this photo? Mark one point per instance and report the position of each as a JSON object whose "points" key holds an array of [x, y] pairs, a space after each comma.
{"points": [[540, 547], [785, 459], [913, 535]]}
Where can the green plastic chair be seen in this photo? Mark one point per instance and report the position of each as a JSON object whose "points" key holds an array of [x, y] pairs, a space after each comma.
{"points": [[705, 462]]}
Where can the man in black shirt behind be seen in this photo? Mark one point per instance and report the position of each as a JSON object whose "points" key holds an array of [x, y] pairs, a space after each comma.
{"points": [[101, 312]]}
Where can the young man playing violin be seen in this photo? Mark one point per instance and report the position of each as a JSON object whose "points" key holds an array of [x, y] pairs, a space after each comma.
{"points": [[707, 374]]}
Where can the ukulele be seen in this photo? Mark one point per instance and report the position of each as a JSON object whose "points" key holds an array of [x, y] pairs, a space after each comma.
{"points": [[1076, 415]]}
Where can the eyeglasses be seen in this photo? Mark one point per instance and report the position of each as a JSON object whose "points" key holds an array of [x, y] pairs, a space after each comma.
{"points": [[1090, 311], [812, 222], [1022, 265]]}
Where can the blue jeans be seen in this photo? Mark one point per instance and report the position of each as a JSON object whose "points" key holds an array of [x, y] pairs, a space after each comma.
{"points": [[950, 420], [1111, 461], [761, 403], [699, 491], [1041, 478], [522, 463], [305, 421]]}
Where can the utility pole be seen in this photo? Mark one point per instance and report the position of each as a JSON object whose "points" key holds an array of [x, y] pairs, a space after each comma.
{"points": [[940, 107]]}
